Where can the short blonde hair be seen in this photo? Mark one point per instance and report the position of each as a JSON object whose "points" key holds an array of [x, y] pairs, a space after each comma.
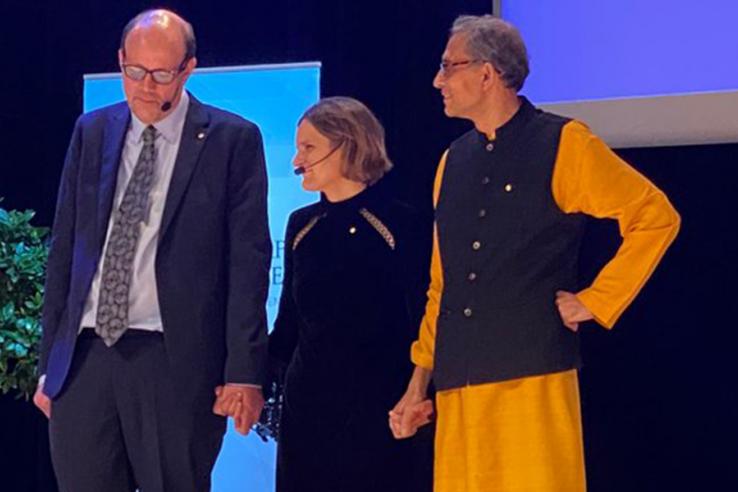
{"points": [[349, 124]]}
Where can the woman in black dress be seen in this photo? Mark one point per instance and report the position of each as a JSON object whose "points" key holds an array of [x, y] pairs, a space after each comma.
{"points": [[354, 289]]}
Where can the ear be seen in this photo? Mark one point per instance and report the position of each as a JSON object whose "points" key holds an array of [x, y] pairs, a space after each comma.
{"points": [[490, 76], [190, 67]]}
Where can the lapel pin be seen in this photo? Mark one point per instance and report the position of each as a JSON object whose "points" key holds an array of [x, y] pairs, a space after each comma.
{"points": [[201, 135]]}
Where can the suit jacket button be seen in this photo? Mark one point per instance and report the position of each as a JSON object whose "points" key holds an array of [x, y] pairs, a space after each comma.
{"points": [[476, 245], [468, 312]]}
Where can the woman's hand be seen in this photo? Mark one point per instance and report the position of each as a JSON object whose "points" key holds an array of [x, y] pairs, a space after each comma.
{"points": [[410, 413], [414, 408]]}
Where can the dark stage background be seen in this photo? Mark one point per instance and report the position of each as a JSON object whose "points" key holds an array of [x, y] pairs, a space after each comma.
{"points": [[658, 400]]}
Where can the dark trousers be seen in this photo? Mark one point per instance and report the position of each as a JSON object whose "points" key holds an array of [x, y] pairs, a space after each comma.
{"points": [[119, 424]]}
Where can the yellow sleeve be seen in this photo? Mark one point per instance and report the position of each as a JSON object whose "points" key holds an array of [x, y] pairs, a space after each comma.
{"points": [[422, 350], [590, 178]]}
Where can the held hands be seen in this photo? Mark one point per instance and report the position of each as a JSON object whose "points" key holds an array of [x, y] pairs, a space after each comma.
{"points": [[571, 310], [411, 412], [242, 403]]}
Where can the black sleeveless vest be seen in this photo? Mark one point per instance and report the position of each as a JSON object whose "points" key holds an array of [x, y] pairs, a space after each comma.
{"points": [[506, 248]]}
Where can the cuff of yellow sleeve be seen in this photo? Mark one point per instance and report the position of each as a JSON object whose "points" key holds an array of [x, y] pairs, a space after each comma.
{"points": [[421, 358], [603, 313]]}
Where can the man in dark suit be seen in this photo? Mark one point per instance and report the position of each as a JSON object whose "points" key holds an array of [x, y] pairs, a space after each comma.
{"points": [[157, 279]]}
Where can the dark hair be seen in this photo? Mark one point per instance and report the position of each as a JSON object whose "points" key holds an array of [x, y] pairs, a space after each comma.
{"points": [[349, 124]]}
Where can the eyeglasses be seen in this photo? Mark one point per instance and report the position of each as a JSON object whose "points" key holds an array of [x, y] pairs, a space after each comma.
{"points": [[159, 75], [447, 67]]}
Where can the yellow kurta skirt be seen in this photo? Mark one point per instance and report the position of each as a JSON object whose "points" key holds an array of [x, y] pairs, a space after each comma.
{"points": [[518, 435]]}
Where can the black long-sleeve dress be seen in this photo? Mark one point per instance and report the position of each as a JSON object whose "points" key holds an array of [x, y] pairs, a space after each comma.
{"points": [[353, 294]]}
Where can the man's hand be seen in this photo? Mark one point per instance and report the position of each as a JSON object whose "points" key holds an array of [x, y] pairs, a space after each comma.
{"points": [[571, 310], [411, 412], [242, 403], [414, 408], [40, 399]]}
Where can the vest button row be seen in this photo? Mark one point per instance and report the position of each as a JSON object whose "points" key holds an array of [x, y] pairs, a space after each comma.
{"points": [[508, 186], [476, 245], [468, 312]]}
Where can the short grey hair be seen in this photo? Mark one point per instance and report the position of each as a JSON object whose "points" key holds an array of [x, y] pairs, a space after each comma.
{"points": [[493, 40], [148, 16]]}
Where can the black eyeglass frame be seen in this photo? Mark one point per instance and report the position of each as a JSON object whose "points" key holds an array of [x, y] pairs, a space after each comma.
{"points": [[159, 75]]}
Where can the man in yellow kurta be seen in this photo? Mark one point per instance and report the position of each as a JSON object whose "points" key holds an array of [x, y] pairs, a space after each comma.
{"points": [[499, 336]]}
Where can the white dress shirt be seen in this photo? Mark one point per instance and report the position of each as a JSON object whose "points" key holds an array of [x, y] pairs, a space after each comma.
{"points": [[143, 301]]}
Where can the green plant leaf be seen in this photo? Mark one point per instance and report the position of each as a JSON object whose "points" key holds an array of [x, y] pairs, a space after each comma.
{"points": [[23, 258]]}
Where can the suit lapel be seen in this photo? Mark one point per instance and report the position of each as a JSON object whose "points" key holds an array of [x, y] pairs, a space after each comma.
{"points": [[194, 134], [114, 136]]}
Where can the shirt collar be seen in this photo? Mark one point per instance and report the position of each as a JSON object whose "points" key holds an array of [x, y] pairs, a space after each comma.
{"points": [[349, 204], [511, 127], [170, 127]]}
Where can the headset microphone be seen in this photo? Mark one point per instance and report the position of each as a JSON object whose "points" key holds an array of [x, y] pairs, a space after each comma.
{"points": [[303, 169]]}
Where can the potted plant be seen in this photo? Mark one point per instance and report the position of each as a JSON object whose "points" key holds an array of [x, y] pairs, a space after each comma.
{"points": [[23, 255]]}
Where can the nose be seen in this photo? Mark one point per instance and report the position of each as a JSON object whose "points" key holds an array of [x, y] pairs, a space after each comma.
{"points": [[148, 82], [438, 80]]}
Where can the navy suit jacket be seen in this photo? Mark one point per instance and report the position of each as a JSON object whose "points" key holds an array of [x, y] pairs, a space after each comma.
{"points": [[214, 249]]}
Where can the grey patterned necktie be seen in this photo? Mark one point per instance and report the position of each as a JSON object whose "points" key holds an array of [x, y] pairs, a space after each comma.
{"points": [[112, 304]]}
